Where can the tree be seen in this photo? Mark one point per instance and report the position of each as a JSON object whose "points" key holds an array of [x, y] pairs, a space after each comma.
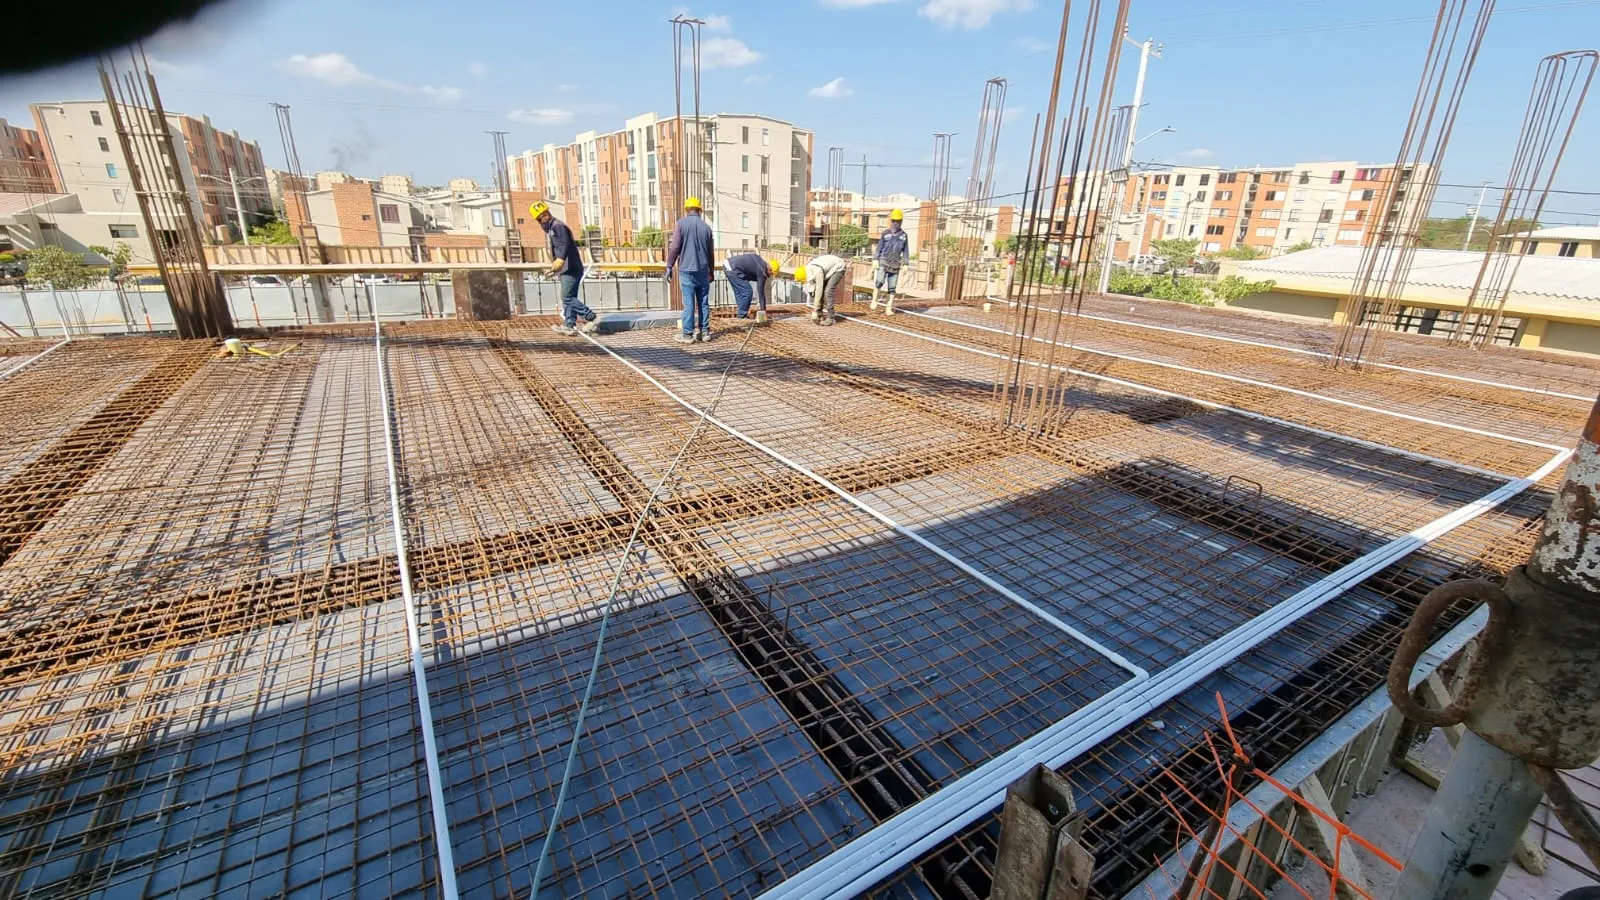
{"points": [[1176, 253], [1243, 251], [117, 259], [61, 268], [273, 232], [649, 236], [1236, 288], [850, 239], [1447, 234], [1296, 248], [1181, 289]]}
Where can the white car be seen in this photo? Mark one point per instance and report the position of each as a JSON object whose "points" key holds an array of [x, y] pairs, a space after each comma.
{"points": [[374, 279], [266, 281]]}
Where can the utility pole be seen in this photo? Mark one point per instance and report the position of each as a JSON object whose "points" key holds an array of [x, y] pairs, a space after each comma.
{"points": [[1146, 50], [238, 208], [1473, 225], [863, 178]]}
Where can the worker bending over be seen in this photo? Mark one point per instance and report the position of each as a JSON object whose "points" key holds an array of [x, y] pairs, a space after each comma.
{"points": [[894, 251], [566, 262], [750, 276], [691, 251], [820, 279]]}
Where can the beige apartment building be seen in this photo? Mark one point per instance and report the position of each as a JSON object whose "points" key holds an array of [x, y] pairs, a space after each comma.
{"points": [[85, 161], [981, 230], [750, 172], [23, 167], [396, 184], [1572, 241]]}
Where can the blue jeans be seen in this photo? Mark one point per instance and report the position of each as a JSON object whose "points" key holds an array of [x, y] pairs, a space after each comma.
{"points": [[743, 293], [887, 280], [572, 308], [696, 299]]}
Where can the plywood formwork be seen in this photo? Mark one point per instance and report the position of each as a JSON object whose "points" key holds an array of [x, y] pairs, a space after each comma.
{"points": [[204, 677]]}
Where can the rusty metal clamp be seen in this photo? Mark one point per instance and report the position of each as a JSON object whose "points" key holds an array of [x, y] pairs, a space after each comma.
{"points": [[1414, 640]]}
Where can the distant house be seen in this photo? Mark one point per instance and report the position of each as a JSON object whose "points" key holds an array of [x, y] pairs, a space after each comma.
{"points": [[1574, 241]]}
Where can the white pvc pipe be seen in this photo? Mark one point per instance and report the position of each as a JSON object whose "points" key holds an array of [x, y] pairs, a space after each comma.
{"points": [[1266, 385], [858, 503], [35, 358], [1317, 353], [1134, 385], [891, 845], [430, 744]]}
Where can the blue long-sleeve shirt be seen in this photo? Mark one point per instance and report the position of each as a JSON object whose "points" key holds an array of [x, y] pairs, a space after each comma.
{"points": [[691, 247], [563, 246], [752, 268], [894, 249]]}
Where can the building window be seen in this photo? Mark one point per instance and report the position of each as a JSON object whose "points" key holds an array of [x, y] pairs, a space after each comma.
{"points": [[366, 217], [1212, 246], [1350, 234], [764, 162], [1213, 229], [744, 163], [1288, 234], [1205, 179], [1219, 213], [1199, 196], [111, 170], [764, 196], [1192, 229], [1294, 215], [744, 220], [1568, 248], [1171, 229], [1228, 178], [497, 218], [1163, 179], [1159, 195], [1365, 195], [766, 137], [94, 116], [1271, 213], [1305, 177], [1273, 195], [744, 192], [1530, 247], [1338, 177], [1266, 232], [1178, 181], [105, 145], [124, 231], [389, 212], [1224, 195], [117, 195], [1352, 215], [1325, 215], [744, 134]]}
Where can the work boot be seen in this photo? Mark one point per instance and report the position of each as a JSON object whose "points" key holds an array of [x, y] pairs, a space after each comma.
{"points": [[761, 317], [874, 304], [816, 314], [592, 326], [683, 338], [567, 330], [825, 321], [888, 305], [704, 337]]}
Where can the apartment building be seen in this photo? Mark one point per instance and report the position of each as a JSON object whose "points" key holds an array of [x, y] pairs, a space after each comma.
{"points": [[355, 214], [399, 185], [750, 172], [23, 168], [980, 229], [85, 159], [1572, 241]]}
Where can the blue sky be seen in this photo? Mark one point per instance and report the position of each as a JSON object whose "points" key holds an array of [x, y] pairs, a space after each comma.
{"points": [[381, 87]]}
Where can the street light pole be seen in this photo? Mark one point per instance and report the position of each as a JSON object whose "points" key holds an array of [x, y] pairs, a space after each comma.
{"points": [[238, 207], [1146, 50], [1473, 225]]}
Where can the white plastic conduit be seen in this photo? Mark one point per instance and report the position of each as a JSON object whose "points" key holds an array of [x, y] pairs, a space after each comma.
{"points": [[1543, 392], [430, 744], [1259, 417], [1112, 655], [1266, 385], [893, 844], [35, 358]]}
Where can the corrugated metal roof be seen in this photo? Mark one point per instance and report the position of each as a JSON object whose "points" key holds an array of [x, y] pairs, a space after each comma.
{"points": [[1538, 276], [1564, 233]]}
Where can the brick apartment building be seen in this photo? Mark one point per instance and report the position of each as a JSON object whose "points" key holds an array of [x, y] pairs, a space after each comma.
{"points": [[981, 230], [1268, 208], [357, 214], [23, 167], [751, 173]]}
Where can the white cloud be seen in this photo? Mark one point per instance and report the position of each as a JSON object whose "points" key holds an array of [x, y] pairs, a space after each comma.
{"points": [[161, 66], [566, 88], [718, 23], [970, 14], [547, 116], [726, 53], [854, 4], [833, 90], [1031, 45], [336, 69], [478, 69], [757, 78], [1197, 153], [1012, 112]]}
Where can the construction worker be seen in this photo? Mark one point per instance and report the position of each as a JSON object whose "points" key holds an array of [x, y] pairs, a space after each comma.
{"points": [[567, 263], [894, 251], [820, 278], [749, 275], [691, 252]]}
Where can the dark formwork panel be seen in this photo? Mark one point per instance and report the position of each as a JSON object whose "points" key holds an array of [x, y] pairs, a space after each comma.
{"points": [[691, 781], [312, 800], [956, 675]]}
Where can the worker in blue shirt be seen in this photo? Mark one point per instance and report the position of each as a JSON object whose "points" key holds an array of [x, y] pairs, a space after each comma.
{"points": [[691, 253], [894, 251], [566, 262], [749, 275]]}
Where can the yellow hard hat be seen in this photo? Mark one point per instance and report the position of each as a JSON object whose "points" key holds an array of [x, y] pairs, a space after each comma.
{"points": [[773, 264], [896, 215], [799, 274], [692, 203], [538, 209]]}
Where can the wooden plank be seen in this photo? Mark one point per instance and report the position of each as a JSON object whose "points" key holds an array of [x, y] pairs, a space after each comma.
{"points": [[1321, 838]]}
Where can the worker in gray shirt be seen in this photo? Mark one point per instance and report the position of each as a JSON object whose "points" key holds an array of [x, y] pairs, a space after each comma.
{"points": [[821, 277], [692, 254], [750, 276]]}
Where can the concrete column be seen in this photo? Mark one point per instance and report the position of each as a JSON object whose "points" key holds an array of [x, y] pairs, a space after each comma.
{"points": [[1532, 333]]}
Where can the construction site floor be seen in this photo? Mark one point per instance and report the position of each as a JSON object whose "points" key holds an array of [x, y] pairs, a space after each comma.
{"points": [[851, 591]]}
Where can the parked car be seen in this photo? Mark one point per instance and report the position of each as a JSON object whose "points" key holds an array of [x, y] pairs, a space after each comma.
{"points": [[374, 279], [147, 283], [266, 281]]}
